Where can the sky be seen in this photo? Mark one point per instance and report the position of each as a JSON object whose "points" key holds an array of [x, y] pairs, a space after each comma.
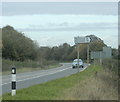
{"points": [[55, 23]]}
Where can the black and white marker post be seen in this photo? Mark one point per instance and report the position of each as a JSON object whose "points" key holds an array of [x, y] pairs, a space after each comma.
{"points": [[13, 83]]}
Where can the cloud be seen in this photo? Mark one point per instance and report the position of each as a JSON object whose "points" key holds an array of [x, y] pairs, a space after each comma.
{"points": [[44, 21], [63, 24], [67, 27], [83, 8], [49, 25], [111, 40]]}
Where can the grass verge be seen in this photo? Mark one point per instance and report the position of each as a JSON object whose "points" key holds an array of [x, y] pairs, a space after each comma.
{"points": [[21, 70], [52, 90], [97, 87], [27, 66]]}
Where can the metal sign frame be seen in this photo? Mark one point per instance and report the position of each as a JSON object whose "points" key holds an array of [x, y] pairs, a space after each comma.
{"points": [[81, 40]]}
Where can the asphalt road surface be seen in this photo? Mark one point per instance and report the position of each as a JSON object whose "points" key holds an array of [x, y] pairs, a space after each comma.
{"points": [[27, 79]]}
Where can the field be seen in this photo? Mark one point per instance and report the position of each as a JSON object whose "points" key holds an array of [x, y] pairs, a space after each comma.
{"points": [[94, 83]]}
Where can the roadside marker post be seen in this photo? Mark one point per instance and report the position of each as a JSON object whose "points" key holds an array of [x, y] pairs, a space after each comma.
{"points": [[13, 81]]}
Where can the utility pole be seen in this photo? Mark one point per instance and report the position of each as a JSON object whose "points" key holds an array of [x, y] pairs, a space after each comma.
{"points": [[88, 54], [94, 59], [100, 58], [78, 56]]}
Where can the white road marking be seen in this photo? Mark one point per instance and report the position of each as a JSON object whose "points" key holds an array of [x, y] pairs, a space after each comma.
{"points": [[45, 74], [40, 75], [33, 74]]}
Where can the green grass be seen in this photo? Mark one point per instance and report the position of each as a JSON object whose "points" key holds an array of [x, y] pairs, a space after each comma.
{"points": [[27, 66], [53, 89]]}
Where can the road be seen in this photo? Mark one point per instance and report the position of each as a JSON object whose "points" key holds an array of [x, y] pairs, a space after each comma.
{"points": [[27, 79]]}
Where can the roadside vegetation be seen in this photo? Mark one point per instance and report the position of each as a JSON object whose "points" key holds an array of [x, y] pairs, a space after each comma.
{"points": [[23, 52], [27, 66], [98, 82], [102, 85], [16, 46], [94, 83]]}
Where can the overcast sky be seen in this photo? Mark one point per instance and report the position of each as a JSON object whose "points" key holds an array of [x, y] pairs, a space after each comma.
{"points": [[52, 24]]}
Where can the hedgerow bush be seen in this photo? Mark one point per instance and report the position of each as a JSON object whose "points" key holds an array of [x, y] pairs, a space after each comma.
{"points": [[7, 64]]}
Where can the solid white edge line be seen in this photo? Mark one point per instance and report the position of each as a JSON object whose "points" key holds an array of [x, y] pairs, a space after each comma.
{"points": [[39, 76], [45, 75], [35, 73]]}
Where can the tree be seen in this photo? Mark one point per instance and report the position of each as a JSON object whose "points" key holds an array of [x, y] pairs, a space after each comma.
{"points": [[16, 46]]}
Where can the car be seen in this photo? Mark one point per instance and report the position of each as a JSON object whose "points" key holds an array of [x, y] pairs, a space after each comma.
{"points": [[75, 63]]}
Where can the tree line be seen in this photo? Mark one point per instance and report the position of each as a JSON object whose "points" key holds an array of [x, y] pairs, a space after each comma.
{"points": [[16, 46]]}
